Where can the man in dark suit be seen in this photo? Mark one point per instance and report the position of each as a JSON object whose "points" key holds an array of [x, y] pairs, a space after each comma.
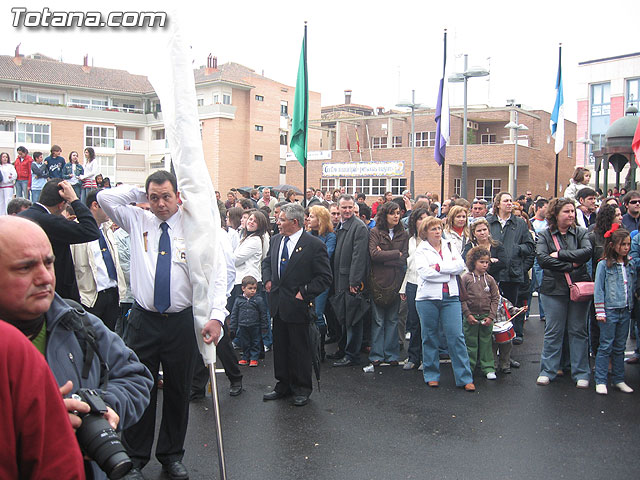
{"points": [[47, 213], [294, 272]]}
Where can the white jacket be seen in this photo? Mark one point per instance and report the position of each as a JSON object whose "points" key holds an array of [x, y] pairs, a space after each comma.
{"points": [[248, 257], [430, 280]]}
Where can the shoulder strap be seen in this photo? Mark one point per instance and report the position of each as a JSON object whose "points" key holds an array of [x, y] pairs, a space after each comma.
{"points": [[555, 240], [77, 321]]}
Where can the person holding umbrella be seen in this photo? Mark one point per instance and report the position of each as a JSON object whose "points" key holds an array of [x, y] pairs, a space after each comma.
{"points": [[295, 271]]}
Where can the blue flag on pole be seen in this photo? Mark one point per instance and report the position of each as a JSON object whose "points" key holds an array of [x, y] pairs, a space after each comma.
{"points": [[557, 115]]}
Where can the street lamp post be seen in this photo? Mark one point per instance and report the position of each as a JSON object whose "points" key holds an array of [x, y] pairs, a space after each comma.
{"points": [[413, 105], [585, 141], [463, 77], [516, 127]]}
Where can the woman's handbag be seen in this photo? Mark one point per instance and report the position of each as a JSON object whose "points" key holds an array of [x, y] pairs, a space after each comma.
{"points": [[384, 296], [578, 291]]}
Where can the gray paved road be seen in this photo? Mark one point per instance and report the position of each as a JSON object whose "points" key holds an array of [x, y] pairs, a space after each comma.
{"points": [[390, 425]]}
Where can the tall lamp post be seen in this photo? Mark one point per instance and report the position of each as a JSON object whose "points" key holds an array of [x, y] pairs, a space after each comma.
{"points": [[515, 127], [412, 105], [585, 141], [463, 77]]}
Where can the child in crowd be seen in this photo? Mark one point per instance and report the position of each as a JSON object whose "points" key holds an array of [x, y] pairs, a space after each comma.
{"points": [[502, 350], [249, 321], [614, 288], [480, 310]]}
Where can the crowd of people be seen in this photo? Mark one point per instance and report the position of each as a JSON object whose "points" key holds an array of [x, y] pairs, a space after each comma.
{"points": [[451, 282]]}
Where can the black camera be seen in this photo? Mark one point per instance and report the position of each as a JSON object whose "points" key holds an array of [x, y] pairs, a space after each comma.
{"points": [[98, 440]]}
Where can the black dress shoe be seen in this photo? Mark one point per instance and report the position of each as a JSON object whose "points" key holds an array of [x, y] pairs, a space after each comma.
{"points": [[331, 340], [335, 356], [344, 362], [273, 396], [176, 471], [195, 396], [134, 474], [300, 400], [235, 390]]}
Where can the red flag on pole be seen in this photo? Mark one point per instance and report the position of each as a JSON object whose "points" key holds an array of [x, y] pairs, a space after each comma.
{"points": [[357, 141], [348, 144], [635, 145]]}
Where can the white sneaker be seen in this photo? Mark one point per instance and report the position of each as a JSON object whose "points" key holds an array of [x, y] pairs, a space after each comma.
{"points": [[407, 336], [543, 380], [623, 387], [601, 389], [582, 383], [421, 367], [409, 365], [491, 376]]}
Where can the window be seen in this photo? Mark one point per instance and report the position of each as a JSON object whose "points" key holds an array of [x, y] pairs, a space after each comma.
{"points": [[328, 184], [347, 183], [226, 99], [397, 142], [259, 128], [284, 108], [398, 185], [379, 142], [487, 188], [600, 109], [424, 139], [34, 133], [371, 186], [158, 134], [216, 99], [130, 107], [257, 158], [28, 97], [283, 169], [102, 137], [259, 98], [34, 97], [487, 139], [158, 107], [201, 102], [569, 149], [107, 167], [633, 93], [457, 186], [284, 138]]}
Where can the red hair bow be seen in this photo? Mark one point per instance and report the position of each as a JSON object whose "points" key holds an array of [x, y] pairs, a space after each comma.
{"points": [[613, 228]]}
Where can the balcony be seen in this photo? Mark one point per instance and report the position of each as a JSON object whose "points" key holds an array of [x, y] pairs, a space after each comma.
{"points": [[107, 108], [217, 110], [7, 140], [284, 123], [158, 147], [283, 151], [139, 147]]}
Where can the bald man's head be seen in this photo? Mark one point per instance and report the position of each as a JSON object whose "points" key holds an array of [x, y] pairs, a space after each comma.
{"points": [[26, 267]]}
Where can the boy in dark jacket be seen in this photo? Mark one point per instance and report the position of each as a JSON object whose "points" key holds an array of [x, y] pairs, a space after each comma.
{"points": [[249, 321]]}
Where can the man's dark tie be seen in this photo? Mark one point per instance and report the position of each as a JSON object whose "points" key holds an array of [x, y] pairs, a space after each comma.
{"points": [[162, 286], [284, 259], [106, 256]]}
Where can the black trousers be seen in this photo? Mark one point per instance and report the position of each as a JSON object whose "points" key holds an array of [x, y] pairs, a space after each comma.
{"points": [[226, 355], [107, 307], [292, 357], [170, 339]]}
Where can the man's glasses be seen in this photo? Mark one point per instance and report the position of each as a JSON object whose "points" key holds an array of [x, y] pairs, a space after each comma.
{"points": [[634, 202]]}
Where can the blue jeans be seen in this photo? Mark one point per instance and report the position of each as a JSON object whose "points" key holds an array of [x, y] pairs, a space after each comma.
{"points": [[536, 283], [21, 188], [35, 195], [448, 314], [563, 314], [413, 325], [613, 339], [321, 303], [77, 187], [250, 338], [384, 332]]}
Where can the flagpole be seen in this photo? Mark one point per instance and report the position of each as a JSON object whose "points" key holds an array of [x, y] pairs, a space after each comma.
{"points": [[306, 115], [555, 183], [369, 142], [444, 68]]}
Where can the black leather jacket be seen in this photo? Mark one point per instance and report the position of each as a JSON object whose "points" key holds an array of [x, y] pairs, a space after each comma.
{"points": [[575, 247]]}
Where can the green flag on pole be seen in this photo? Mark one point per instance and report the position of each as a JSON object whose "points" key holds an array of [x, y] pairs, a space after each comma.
{"points": [[300, 122]]}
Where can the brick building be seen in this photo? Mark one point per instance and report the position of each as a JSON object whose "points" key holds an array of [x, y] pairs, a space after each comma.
{"points": [[244, 118], [384, 162]]}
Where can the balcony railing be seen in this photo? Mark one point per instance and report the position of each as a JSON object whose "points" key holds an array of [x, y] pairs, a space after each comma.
{"points": [[105, 108]]}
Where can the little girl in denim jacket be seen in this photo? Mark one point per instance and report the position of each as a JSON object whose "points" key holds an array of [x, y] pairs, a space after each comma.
{"points": [[614, 288]]}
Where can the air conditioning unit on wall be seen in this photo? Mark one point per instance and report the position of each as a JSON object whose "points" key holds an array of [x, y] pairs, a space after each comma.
{"points": [[472, 125]]}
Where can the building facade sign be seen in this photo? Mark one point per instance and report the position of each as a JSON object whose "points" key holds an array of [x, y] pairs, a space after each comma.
{"points": [[363, 169]]}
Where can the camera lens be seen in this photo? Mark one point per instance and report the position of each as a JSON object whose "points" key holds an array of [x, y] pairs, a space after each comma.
{"points": [[102, 444]]}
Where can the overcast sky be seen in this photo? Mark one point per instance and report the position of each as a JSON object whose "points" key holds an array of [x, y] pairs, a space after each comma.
{"points": [[379, 49]]}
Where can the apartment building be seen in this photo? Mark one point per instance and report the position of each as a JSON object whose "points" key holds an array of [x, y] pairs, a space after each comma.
{"points": [[384, 160], [244, 118]]}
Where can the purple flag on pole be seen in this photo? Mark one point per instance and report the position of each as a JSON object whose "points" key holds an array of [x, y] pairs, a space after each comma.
{"points": [[442, 118]]}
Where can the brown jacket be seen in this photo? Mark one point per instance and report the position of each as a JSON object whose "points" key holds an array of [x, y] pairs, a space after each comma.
{"points": [[390, 262], [478, 300]]}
